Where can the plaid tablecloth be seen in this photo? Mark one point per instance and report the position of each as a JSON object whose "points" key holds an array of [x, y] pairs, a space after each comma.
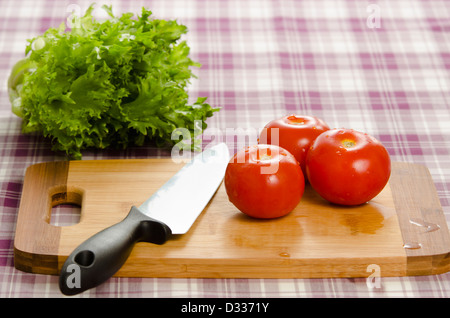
{"points": [[382, 67]]}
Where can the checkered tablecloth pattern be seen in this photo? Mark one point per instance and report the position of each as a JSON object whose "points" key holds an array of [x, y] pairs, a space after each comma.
{"points": [[382, 67]]}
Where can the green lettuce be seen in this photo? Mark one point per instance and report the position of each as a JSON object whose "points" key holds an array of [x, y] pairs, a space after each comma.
{"points": [[115, 83]]}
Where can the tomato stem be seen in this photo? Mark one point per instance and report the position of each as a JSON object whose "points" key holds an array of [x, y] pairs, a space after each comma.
{"points": [[294, 120], [347, 143]]}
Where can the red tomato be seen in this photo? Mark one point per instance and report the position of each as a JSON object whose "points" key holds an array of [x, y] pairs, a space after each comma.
{"points": [[264, 181], [347, 167], [296, 134]]}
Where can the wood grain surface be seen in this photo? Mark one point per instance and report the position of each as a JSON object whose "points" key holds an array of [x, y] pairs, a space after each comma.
{"points": [[316, 240]]}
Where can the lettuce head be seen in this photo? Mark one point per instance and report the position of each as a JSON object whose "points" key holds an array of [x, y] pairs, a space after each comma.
{"points": [[115, 83]]}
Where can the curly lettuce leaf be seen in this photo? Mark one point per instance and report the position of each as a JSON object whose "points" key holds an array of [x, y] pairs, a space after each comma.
{"points": [[114, 83]]}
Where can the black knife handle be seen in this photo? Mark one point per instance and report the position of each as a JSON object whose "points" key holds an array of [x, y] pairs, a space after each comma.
{"points": [[102, 255]]}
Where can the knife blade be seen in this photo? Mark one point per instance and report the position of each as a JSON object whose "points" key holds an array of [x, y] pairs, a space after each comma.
{"points": [[172, 209]]}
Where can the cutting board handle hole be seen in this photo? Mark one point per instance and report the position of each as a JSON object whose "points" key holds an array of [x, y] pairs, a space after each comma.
{"points": [[66, 206]]}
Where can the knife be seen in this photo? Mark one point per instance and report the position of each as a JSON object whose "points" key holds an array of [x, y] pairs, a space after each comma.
{"points": [[172, 209]]}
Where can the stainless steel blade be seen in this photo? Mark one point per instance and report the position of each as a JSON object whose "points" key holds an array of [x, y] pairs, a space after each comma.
{"points": [[183, 197]]}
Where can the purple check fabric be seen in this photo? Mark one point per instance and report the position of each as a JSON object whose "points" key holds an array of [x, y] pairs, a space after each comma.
{"points": [[382, 67]]}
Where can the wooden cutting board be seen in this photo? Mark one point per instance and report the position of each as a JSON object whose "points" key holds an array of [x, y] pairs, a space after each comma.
{"points": [[401, 232]]}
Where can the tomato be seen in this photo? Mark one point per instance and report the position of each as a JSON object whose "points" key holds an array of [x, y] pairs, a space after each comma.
{"points": [[264, 181], [296, 134], [347, 167]]}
